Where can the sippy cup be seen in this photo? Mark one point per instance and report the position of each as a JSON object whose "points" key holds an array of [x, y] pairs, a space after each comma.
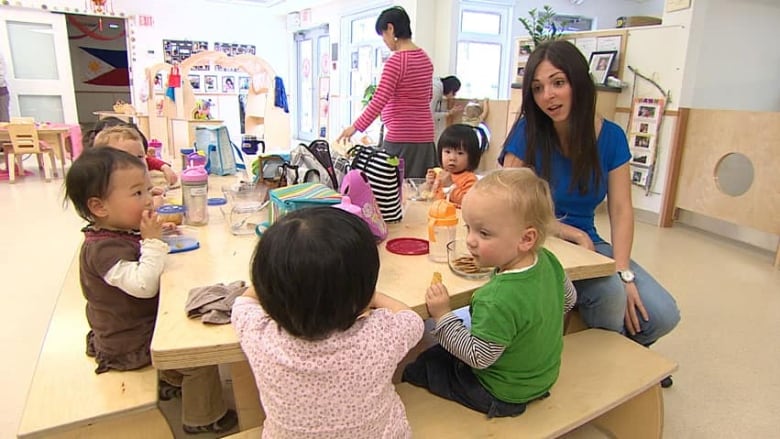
{"points": [[194, 193], [442, 224]]}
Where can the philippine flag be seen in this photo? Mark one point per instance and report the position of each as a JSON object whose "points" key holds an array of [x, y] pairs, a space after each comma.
{"points": [[106, 67]]}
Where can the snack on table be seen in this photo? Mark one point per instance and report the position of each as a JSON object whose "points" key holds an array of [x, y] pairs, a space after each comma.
{"points": [[436, 278], [170, 213], [467, 264]]}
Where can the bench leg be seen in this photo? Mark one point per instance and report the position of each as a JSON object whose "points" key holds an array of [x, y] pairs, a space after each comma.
{"points": [[250, 412], [641, 417]]}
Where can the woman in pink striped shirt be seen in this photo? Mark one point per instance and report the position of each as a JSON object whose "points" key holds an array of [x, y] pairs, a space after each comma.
{"points": [[403, 97]]}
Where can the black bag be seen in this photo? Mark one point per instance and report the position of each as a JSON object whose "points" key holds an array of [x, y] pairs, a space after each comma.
{"points": [[383, 175]]}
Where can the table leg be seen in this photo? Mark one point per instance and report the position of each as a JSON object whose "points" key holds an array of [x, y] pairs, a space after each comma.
{"points": [[250, 412]]}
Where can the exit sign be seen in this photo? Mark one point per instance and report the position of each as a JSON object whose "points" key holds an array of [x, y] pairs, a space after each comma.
{"points": [[145, 20]]}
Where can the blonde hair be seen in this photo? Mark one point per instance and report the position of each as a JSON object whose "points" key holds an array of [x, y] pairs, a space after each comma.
{"points": [[116, 133], [528, 196]]}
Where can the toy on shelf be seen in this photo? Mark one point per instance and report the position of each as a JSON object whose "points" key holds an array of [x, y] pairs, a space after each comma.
{"points": [[202, 110], [123, 107]]}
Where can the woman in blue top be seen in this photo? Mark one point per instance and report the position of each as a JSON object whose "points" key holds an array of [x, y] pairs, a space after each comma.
{"points": [[585, 158]]}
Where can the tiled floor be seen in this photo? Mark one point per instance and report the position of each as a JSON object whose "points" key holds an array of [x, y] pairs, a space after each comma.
{"points": [[726, 344]]}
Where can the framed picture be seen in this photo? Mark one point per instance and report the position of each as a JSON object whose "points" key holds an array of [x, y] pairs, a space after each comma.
{"points": [[243, 82], [228, 84], [601, 64], [194, 82], [211, 83]]}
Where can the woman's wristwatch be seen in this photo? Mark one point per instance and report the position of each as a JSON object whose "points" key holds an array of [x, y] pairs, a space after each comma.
{"points": [[627, 276]]}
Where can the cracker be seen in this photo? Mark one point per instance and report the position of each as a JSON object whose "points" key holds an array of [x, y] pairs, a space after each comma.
{"points": [[436, 278]]}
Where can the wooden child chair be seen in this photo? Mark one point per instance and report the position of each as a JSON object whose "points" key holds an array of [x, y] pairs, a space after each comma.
{"points": [[24, 140]]}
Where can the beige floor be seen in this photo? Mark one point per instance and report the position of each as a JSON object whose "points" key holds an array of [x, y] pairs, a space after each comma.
{"points": [[727, 386]]}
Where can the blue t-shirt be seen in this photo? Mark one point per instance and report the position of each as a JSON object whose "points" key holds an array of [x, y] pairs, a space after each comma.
{"points": [[571, 207]]}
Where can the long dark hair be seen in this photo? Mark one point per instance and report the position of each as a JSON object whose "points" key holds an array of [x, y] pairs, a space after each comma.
{"points": [[541, 137]]}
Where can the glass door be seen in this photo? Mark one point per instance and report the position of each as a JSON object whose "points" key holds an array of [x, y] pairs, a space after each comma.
{"points": [[35, 48], [312, 49]]}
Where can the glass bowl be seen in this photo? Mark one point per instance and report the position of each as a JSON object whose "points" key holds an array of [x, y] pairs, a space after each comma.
{"points": [[462, 263], [418, 189]]}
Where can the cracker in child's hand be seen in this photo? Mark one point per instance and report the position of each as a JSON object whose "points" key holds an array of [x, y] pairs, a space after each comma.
{"points": [[436, 278]]}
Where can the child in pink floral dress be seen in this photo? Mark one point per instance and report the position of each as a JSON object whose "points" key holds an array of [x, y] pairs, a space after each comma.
{"points": [[322, 343]]}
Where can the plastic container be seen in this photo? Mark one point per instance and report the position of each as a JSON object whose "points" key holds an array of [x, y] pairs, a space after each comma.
{"points": [[194, 195], [156, 146], [442, 228], [196, 158], [245, 216], [171, 213], [250, 142], [185, 152]]}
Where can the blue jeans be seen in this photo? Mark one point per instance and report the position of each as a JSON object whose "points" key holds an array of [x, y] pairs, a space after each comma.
{"points": [[602, 303]]}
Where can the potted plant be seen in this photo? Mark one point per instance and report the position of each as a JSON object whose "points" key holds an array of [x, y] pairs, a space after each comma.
{"points": [[540, 25]]}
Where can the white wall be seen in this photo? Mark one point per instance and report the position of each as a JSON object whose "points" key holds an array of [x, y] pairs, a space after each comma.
{"points": [[735, 62], [199, 20]]}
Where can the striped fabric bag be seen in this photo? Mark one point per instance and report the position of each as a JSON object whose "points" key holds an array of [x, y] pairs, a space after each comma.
{"points": [[384, 177], [300, 196]]}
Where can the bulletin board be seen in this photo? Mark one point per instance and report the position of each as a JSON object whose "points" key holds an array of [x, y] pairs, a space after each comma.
{"points": [[596, 41], [176, 51]]}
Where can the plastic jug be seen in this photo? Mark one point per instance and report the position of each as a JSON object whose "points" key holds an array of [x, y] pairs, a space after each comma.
{"points": [[442, 228], [194, 193]]}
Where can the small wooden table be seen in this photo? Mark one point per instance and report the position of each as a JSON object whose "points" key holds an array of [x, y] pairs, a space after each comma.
{"points": [[59, 136], [180, 342]]}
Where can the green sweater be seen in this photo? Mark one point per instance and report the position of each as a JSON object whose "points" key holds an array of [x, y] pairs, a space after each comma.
{"points": [[523, 312]]}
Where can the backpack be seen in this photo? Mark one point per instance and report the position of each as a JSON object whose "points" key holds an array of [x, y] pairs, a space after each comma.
{"points": [[355, 186], [384, 176], [274, 171], [220, 151], [315, 163]]}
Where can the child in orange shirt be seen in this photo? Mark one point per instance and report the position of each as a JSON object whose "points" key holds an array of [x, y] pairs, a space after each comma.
{"points": [[459, 154]]}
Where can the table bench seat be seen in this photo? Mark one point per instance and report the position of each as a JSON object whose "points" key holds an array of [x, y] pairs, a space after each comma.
{"points": [[68, 400], [606, 379]]}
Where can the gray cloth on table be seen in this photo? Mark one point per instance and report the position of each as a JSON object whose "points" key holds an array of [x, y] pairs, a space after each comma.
{"points": [[213, 303]]}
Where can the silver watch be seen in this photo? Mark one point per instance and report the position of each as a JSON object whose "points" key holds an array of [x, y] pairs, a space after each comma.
{"points": [[626, 276]]}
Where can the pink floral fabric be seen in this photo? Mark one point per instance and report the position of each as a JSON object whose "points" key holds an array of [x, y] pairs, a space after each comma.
{"points": [[334, 388]]}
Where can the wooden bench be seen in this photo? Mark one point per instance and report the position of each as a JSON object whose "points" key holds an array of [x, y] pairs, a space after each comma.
{"points": [[605, 379], [68, 400]]}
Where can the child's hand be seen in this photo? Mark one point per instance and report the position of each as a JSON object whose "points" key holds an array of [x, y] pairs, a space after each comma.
{"points": [[445, 179], [150, 228], [437, 298], [430, 177], [170, 175]]}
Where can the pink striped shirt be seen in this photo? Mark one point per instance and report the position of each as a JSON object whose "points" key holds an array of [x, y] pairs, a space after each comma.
{"points": [[404, 99]]}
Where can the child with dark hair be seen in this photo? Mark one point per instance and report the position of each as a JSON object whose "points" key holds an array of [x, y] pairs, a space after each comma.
{"points": [[459, 153], [322, 343], [153, 163], [120, 264]]}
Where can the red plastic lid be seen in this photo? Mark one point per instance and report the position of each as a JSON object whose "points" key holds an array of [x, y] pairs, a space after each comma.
{"points": [[407, 246]]}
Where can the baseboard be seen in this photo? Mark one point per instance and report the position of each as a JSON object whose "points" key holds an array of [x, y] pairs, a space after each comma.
{"points": [[753, 237]]}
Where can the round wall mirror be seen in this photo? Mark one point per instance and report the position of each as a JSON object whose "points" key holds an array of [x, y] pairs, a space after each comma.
{"points": [[734, 174]]}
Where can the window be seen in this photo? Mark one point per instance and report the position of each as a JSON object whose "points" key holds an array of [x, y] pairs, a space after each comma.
{"points": [[482, 50], [362, 58]]}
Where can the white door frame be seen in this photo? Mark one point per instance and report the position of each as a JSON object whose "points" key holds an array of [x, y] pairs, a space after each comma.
{"points": [[63, 86]]}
